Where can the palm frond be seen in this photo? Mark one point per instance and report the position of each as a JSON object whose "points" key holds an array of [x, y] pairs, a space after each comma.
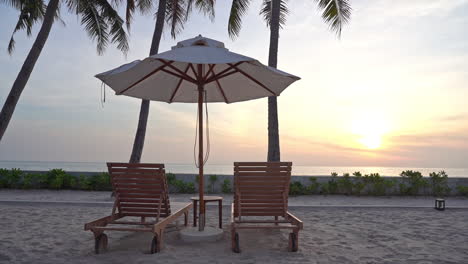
{"points": [[266, 12], [336, 13], [94, 24], [176, 11], [238, 9], [204, 6], [129, 12], [145, 6], [17, 4], [31, 11], [112, 18]]}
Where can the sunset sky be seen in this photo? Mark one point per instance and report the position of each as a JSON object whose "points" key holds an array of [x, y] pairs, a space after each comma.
{"points": [[393, 91]]}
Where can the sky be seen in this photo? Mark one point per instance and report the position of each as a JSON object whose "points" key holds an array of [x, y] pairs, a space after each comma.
{"points": [[392, 91]]}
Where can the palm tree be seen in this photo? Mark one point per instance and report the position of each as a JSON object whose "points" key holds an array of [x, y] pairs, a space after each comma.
{"points": [[335, 13], [98, 17], [175, 13]]}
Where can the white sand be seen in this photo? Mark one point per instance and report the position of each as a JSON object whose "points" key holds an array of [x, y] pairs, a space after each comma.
{"points": [[305, 200], [42, 233]]}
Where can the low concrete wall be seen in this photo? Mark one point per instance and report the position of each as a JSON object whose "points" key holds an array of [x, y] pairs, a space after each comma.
{"points": [[304, 180]]}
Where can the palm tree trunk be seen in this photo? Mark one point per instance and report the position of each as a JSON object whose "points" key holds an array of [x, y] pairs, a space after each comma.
{"points": [[144, 108], [273, 132], [27, 68]]}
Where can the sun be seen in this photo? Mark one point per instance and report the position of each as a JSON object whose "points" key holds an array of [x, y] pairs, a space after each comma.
{"points": [[369, 129], [371, 141]]}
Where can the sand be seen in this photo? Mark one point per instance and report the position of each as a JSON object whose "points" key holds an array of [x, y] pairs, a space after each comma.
{"points": [[45, 233], [85, 197]]}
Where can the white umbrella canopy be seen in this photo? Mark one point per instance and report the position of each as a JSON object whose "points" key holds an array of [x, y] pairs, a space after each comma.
{"points": [[173, 76], [197, 70]]}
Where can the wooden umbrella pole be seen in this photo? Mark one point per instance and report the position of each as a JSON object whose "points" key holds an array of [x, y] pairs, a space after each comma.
{"points": [[201, 217]]}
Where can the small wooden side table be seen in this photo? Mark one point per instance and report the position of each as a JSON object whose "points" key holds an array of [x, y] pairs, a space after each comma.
{"points": [[208, 199]]}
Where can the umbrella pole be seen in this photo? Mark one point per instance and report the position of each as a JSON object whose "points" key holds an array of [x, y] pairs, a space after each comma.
{"points": [[201, 216]]}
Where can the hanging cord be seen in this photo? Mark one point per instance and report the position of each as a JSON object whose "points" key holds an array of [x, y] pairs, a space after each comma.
{"points": [[103, 94], [207, 154]]}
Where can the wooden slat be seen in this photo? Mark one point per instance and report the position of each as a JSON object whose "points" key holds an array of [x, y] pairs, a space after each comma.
{"points": [[137, 181], [265, 168], [139, 210], [262, 213], [144, 205], [136, 191], [123, 229], [138, 196], [126, 200], [254, 173], [279, 200], [265, 185], [155, 187], [259, 196], [135, 165], [262, 205], [136, 170], [262, 163], [264, 178], [145, 215]]}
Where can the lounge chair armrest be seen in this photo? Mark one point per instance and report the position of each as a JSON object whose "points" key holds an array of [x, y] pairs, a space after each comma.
{"points": [[99, 222], [161, 225], [295, 220]]}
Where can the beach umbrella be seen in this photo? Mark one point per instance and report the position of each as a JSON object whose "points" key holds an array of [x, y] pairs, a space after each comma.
{"points": [[197, 70]]}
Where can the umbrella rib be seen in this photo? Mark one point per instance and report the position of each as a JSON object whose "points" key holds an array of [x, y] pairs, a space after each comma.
{"points": [[178, 85], [193, 70], [253, 79], [223, 71], [221, 90], [221, 76], [165, 63], [187, 77], [210, 70]]}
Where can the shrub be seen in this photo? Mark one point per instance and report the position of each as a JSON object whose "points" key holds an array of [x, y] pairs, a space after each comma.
{"points": [[333, 184], [56, 178], [11, 178], [376, 184], [413, 182], [296, 188], [84, 183], [359, 184], [439, 183], [324, 188], [462, 190], [226, 186], [345, 185], [212, 179], [170, 178], [3, 175], [34, 181], [313, 187]]}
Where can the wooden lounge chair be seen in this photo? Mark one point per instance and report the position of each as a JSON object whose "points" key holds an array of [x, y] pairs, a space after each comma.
{"points": [[261, 192], [140, 192]]}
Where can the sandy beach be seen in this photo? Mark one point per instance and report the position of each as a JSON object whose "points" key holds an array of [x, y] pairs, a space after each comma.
{"points": [[53, 233]]}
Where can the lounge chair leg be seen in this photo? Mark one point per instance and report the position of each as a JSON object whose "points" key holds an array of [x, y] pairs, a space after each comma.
{"points": [[276, 219], [100, 242], [155, 244], [294, 241], [185, 218], [235, 241]]}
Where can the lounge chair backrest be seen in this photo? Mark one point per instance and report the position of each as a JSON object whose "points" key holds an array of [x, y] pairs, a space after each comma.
{"points": [[261, 188], [140, 189]]}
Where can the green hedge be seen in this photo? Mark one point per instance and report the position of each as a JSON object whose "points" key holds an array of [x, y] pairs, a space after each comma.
{"points": [[412, 183], [56, 179]]}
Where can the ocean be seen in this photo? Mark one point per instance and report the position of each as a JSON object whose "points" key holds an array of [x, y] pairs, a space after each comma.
{"points": [[228, 168]]}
